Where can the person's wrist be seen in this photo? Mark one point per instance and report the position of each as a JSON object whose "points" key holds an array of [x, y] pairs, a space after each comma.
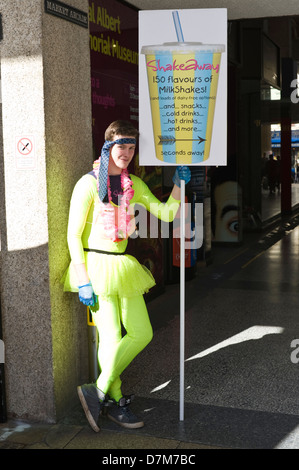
{"points": [[85, 285]]}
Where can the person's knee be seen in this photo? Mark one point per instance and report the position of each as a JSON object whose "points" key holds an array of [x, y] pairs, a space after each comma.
{"points": [[147, 336], [144, 337]]}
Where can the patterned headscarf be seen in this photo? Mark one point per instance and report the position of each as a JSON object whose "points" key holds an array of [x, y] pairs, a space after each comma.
{"points": [[103, 171]]}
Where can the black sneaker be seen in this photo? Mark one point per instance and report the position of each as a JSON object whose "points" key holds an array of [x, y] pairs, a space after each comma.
{"points": [[90, 397], [121, 414]]}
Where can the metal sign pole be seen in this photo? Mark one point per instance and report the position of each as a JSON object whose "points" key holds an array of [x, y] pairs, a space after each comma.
{"points": [[93, 344], [182, 301]]}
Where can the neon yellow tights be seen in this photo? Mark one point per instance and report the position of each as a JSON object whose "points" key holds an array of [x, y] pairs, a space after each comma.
{"points": [[116, 351]]}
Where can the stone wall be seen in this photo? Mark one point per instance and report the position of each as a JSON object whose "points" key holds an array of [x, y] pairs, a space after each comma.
{"points": [[46, 109]]}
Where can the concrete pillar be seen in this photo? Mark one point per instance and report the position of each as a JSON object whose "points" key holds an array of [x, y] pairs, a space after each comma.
{"points": [[47, 146], [286, 159]]}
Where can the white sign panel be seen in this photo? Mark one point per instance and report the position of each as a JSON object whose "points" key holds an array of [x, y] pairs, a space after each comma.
{"points": [[183, 87]]}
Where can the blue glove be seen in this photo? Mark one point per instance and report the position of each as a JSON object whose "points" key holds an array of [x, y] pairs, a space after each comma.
{"points": [[181, 173], [87, 295]]}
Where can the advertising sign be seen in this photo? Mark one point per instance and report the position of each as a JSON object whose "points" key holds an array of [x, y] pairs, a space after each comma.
{"points": [[183, 87], [113, 29], [182, 103], [276, 138]]}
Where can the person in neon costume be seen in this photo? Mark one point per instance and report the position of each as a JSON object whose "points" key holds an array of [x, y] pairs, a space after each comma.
{"points": [[112, 283]]}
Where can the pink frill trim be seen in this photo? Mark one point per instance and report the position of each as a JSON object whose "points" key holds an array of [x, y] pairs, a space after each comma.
{"points": [[117, 223]]}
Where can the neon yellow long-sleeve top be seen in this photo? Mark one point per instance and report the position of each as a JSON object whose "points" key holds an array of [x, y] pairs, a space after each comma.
{"points": [[86, 225]]}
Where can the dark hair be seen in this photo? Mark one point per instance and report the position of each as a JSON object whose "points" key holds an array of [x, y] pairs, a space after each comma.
{"points": [[121, 127]]}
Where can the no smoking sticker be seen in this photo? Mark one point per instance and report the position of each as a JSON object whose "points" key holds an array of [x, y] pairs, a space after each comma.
{"points": [[25, 146], [25, 152]]}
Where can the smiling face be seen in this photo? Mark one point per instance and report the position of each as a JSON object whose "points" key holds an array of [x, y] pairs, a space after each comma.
{"points": [[121, 156]]}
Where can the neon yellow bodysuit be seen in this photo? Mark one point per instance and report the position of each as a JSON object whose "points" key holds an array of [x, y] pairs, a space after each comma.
{"points": [[119, 280]]}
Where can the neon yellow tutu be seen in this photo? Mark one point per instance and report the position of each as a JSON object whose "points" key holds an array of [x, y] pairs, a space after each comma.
{"points": [[120, 275]]}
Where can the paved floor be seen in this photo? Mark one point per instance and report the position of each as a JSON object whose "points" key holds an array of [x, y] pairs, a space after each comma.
{"points": [[241, 368], [242, 388], [271, 203]]}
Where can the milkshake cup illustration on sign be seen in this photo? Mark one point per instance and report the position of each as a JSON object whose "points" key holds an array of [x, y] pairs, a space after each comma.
{"points": [[183, 81]]}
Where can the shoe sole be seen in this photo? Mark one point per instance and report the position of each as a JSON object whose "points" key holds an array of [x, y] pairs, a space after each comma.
{"points": [[88, 414], [140, 424]]}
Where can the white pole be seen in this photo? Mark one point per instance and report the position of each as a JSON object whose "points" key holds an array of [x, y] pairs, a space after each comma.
{"points": [[180, 38], [182, 301]]}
